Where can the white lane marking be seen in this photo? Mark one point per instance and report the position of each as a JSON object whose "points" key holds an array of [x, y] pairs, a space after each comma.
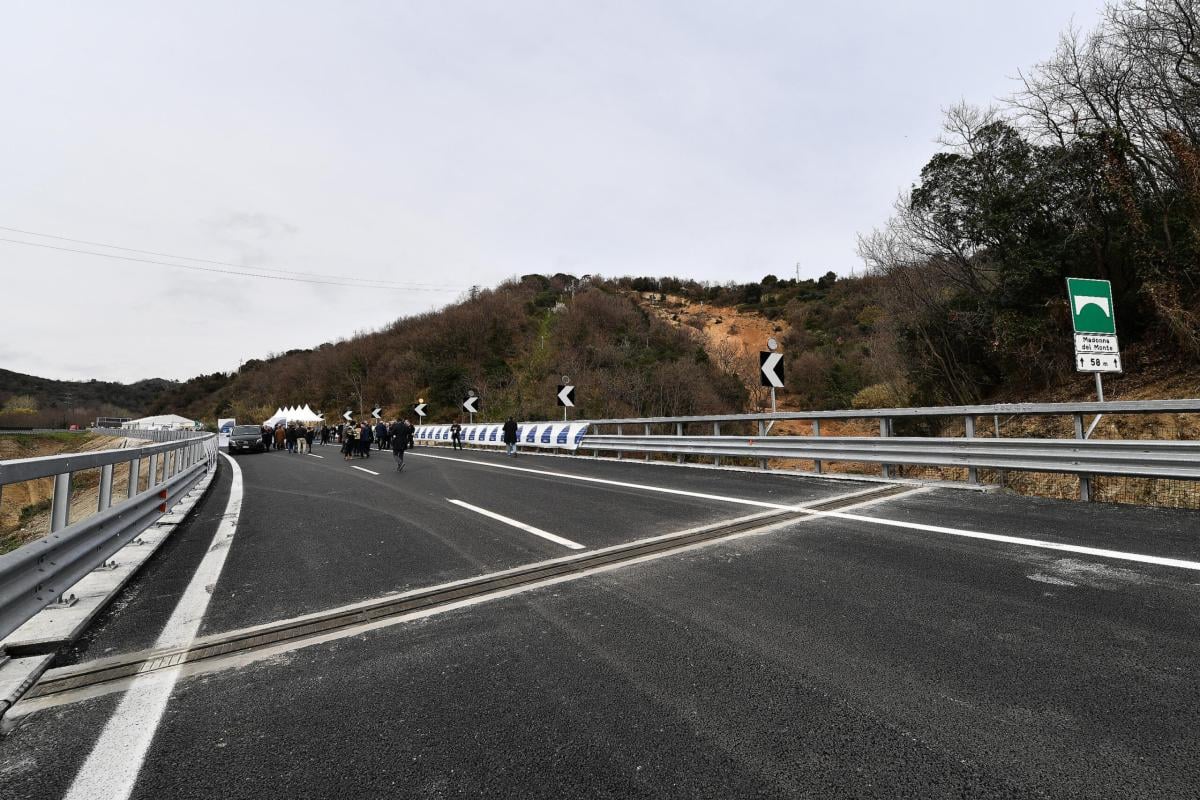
{"points": [[916, 526], [1019, 540], [116, 760], [623, 484], [364, 469], [518, 524], [314, 455]]}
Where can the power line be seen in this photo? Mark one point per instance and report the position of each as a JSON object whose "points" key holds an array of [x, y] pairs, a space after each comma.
{"points": [[356, 283], [403, 284]]}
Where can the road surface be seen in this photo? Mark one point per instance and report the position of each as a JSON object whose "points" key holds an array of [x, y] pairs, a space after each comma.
{"points": [[923, 643]]}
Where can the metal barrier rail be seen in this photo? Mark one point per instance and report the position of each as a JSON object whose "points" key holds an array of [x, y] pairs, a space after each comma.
{"points": [[1156, 459], [1005, 409], [146, 433], [887, 418], [34, 575]]}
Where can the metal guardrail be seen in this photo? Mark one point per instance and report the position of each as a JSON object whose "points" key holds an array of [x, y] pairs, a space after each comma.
{"points": [[1158, 459], [1079, 456], [36, 574], [145, 433], [1004, 409]]}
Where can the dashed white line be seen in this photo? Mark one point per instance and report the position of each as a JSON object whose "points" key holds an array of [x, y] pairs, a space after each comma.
{"points": [[1042, 544], [364, 469], [116, 760], [314, 455], [518, 524]]}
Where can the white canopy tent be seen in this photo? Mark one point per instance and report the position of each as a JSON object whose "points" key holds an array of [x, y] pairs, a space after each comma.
{"points": [[303, 416], [162, 422]]}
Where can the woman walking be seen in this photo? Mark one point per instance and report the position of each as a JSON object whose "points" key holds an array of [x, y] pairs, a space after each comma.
{"points": [[349, 444]]}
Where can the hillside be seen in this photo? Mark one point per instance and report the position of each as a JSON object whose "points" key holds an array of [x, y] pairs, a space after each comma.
{"points": [[510, 344], [632, 346], [30, 401]]}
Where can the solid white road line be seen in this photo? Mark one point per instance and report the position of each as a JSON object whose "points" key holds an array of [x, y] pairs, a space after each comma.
{"points": [[518, 524], [916, 526], [623, 484], [1019, 540], [116, 760], [314, 455], [364, 469]]}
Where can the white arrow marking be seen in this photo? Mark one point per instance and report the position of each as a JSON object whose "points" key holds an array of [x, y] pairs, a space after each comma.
{"points": [[420, 409], [346, 416], [469, 405], [768, 369], [565, 398], [375, 412]]}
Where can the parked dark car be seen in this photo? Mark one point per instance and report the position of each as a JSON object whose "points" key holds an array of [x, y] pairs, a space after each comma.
{"points": [[245, 437]]}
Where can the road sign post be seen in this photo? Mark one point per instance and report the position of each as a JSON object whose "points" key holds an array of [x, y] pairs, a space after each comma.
{"points": [[566, 396], [471, 404], [1093, 316], [770, 367]]}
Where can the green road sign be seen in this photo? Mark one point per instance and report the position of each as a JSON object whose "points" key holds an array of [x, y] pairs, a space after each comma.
{"points": [[1091, 305]]}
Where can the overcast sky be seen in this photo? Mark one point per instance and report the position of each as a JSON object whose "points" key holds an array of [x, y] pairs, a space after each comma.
{"points": [[448, 144]]}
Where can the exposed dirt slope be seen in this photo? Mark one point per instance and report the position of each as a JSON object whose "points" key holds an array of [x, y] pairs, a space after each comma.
{"points": [[25, 507]]}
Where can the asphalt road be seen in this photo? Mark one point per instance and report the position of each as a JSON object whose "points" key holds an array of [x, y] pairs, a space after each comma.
{"points": [[938, 644]]}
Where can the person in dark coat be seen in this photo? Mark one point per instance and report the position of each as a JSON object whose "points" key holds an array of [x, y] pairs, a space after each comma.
{"points": [[289, 437], [381, 435], [510, 436], [456, 436], [410, 431], [398, 434], [268, 436], [365, 437]]}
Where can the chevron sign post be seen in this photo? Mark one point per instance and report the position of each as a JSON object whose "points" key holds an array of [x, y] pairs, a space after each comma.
{"points": [[419, 409], [1093, 315], [566, 397], [471, 405], [771, 366]]}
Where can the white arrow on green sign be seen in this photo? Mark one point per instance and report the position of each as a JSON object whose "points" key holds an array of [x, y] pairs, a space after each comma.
{"points": [[1091, 305]]}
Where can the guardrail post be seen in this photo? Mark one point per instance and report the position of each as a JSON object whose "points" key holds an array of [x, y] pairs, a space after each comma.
{"points": [[817, 432], [135, 477], [762, 431], [972, 472], [152, 478], [716, 432], [1085, 481], [60, 502], [885, 430], [106, 473], [647, 433], [618, 434]]}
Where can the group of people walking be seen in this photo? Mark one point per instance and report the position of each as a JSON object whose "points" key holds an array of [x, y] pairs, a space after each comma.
{"points": [[292, 437], [356, 438]]}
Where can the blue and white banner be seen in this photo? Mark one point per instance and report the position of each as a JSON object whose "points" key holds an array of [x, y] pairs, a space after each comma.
{"points": [[544, 435], [224, 427]]}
